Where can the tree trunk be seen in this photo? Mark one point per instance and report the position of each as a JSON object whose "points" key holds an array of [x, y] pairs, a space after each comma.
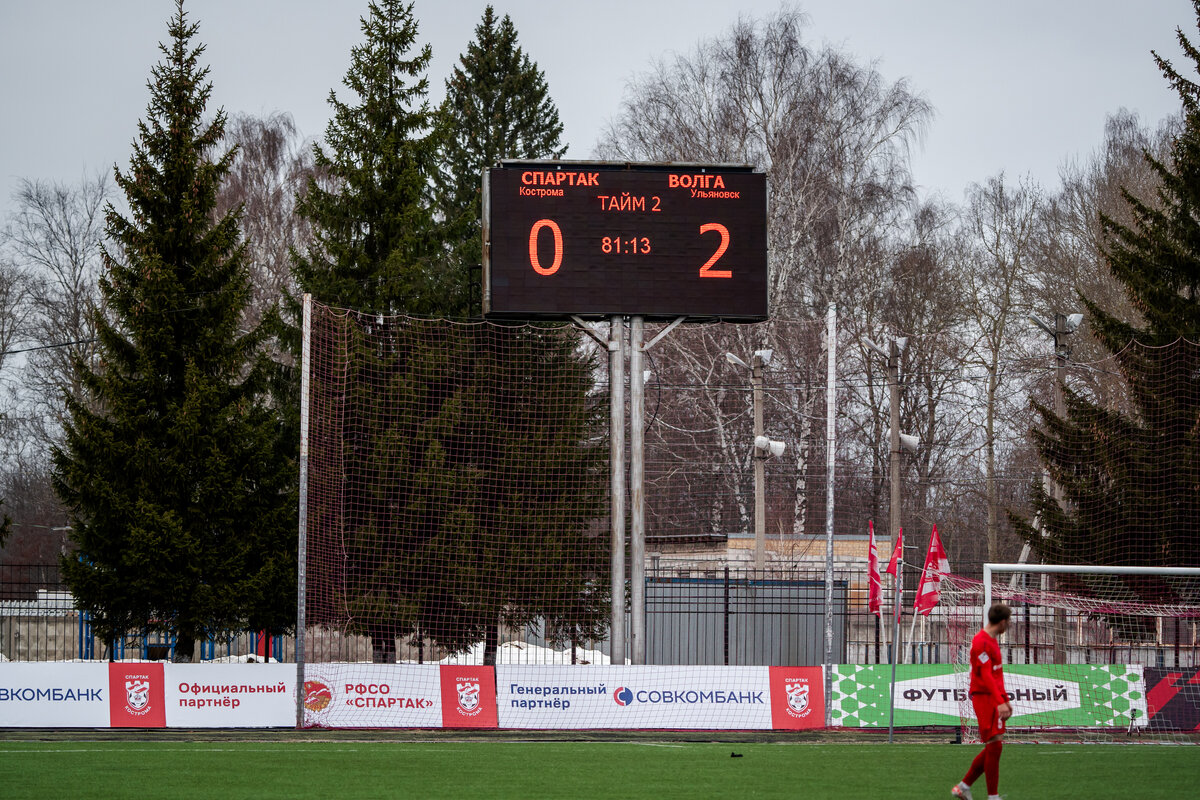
{"points": [[383, 648], [491, 644], [185, 648]]}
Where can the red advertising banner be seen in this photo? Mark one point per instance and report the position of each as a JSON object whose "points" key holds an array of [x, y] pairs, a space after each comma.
{"points": [[797, 698], [468, 697], [1173, 699], [137, 698]]}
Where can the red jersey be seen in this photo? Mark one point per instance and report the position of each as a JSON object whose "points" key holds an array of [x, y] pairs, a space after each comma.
{"points": [[987, 676]]}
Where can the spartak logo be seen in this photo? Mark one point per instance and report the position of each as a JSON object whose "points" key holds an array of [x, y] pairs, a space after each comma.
{"points": [[137, 694], [317, 695], [797, 698], [468, 697]]}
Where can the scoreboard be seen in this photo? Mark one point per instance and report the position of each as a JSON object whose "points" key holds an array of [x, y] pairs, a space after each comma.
{"points": [[594, 239]]}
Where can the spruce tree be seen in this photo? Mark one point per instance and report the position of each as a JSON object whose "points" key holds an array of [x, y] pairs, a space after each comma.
{"points": [[523, 553], [369, 204], [180, 513], [370, 209], [437, 539], [1131, 476], [497, 106]]}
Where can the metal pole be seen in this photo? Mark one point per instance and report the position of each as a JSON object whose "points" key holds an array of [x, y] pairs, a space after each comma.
{"points": [[830, 461], [760, 461], [894, 507], [616, 395], [302, 542], [894, 521], [637, 493], [987, 592], [898, 593], [725, 621], [1060, 411]]}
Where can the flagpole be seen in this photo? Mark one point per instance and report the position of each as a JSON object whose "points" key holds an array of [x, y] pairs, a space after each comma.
{"points": [[911, 629], [897, 596]]}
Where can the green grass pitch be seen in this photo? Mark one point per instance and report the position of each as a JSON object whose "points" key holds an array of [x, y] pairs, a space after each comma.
{"points": [[340, 770]]}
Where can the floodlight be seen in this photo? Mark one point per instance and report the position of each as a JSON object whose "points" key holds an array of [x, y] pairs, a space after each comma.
{"points": [[1039, 322], [764, 355], [909, 443], [769, 446], [1073, 321], [732, 359], [875, 347]]}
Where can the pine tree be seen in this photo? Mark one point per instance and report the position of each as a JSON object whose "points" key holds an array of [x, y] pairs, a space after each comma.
{"points": [[1131, 477], [497, 106], [179, 512], [369, 206]]}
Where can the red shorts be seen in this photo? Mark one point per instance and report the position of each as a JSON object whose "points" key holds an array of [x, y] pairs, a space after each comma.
{"points": [[990, 724]]}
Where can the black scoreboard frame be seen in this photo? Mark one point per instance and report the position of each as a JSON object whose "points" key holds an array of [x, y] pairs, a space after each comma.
{"points": [[597, 239]]}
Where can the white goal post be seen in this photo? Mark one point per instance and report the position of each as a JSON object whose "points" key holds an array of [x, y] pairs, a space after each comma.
{"points": [[1076, 569]]}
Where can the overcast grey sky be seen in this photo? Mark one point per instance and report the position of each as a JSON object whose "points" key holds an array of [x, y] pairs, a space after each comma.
{"points": [[1018, 86]]}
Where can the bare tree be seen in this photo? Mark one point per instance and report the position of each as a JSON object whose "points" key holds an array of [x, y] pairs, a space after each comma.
{"points": [[271, 167], [996, 270], [54, 239], [15, 313], [833, 137]]}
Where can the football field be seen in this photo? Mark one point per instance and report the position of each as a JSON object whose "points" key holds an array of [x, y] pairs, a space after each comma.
{"points": [[350, 768]]}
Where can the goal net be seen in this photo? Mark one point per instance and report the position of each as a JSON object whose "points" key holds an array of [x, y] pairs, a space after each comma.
{"points": [[1119, 660], [456, 476]]}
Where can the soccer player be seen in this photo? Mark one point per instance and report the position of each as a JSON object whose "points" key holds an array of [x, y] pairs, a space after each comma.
{"points": [[991, 703]]}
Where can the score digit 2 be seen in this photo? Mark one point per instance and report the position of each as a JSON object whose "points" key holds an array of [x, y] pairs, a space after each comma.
{"points": [[707, 270]]}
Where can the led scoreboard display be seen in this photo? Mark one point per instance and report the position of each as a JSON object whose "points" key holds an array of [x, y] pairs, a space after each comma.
{"points": [[600, 239]]}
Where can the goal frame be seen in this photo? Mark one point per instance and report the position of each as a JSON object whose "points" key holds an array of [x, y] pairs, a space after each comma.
{"points": [[1077, 569]]}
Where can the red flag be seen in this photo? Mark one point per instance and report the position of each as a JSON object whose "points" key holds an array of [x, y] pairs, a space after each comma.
{"points": [[929, 591], [897, 553], [875, 598]]}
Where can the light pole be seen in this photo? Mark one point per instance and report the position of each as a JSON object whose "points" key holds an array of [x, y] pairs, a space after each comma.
{"points": [[897, 441], [1064, 326], [763, 447]]}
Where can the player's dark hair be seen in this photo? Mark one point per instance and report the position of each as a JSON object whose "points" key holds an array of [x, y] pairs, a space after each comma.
{"points": [[999, 612]]}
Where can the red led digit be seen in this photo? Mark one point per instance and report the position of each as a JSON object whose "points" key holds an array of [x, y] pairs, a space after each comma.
{"points": [[707, 270], [533, 243]]}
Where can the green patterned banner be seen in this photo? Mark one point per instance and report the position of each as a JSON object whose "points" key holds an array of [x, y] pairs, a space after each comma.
{"points": [[1073, 695]]}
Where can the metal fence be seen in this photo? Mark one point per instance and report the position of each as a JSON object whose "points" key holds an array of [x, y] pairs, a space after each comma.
{"points": [[39, 622], [708, 616]]}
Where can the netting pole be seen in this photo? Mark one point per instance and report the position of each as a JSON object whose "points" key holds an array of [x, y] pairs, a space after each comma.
{"points": [[302, 542], [830, 460], [637, 493], [1061, 352], [616, 436], [760, 468]]}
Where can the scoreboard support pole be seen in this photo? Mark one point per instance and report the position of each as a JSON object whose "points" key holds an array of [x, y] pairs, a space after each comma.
{"points": [[637, 491], [635, 628], [616, 396], [637, 479]]}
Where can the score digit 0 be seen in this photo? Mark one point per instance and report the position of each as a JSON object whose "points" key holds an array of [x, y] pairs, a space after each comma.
{"points": [[533, 243]]}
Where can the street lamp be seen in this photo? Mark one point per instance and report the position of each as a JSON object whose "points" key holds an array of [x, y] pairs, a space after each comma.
{"points": [[764, 447], [1064, 326]]}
